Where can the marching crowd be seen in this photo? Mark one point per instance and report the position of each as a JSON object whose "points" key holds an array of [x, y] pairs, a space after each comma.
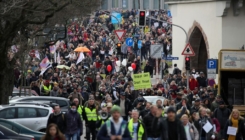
{"points": [[102, 92]]}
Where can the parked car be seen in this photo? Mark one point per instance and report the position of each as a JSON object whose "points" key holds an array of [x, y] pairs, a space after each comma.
{"points": [[32, 116], [63, 102], [153, 99], [13, 135], [21, 129]]}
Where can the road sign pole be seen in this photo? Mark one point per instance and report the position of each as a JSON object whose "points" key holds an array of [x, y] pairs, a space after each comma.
{"points": [[187, 78]]}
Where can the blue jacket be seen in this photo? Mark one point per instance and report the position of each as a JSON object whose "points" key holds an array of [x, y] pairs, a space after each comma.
{"points": [[73, 122], [103, 134]]}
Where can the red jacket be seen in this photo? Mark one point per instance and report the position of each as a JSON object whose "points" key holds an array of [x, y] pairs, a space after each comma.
{"points": [[193, 83]]}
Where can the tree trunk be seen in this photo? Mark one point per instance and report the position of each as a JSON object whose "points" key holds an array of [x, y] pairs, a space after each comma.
{"points": [[6, 74], [138, 4], [6, 84]]}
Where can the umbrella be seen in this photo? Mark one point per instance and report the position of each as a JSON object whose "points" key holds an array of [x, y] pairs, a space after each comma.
{"points": [[82, 49], [63, 66]]}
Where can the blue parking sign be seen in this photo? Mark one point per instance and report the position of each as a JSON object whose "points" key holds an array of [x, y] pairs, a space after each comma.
{"points": [[211, 64]]}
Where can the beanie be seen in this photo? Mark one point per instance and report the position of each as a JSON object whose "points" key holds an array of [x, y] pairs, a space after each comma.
{"points": [[116, 108], [171, 109]]}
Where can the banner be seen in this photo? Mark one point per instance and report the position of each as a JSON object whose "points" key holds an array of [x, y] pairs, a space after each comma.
{"points": [[142, 81], [52, 49], [44, 63], [58, 58], [37, 55], [43, 70], [80, 58]]}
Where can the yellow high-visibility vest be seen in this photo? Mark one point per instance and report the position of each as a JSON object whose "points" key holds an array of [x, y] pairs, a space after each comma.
{"points": [[91, 114], [131, 129], [47, 89]]}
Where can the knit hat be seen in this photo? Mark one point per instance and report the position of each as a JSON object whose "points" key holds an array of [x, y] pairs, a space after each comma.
{"points": [[171, 109], [115, 108]]}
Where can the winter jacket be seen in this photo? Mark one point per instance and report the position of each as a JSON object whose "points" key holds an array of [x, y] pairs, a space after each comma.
{"points": [[192, 84], [73, 122], [59, 120], [201, 122], [240, 131], [193, 132], [103, 133], [148, 121], [222, 116], [128, 105], [162, 125]]}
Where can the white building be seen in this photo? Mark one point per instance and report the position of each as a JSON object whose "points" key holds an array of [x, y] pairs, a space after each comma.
{"points": [[132, 4], [211, 25]]}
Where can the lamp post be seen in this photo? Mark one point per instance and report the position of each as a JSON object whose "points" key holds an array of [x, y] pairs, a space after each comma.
{"points": [[186, 41]]}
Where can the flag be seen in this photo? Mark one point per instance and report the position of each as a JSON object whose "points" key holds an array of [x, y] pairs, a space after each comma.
{"points": [[80, 58], [43, 70], [44, 63], [52, 49], [37, 55], [58, 58], [55, 58]]}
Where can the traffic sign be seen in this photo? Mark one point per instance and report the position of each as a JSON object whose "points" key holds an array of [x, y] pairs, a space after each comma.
{"points": [[116, 16], [211, 64], [188, 51], [211, 68], [172, 58], [129, 42], [139, 44], [120, 34], [156, 51]]}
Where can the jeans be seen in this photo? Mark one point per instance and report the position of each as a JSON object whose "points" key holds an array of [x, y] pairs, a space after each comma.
{"points": [[150, 138], [71, 136], [90, 131], [203, 138]]}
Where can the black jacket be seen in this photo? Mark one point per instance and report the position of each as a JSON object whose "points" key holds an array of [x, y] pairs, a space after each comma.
{"points": [[128, 105], [162, 126], [240, 131], [59, 120], [222, 115], [148, 121]]}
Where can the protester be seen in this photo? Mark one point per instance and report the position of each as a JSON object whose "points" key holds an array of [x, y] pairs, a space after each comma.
{"points": [[53, 133], [115, 128], [57, 118], [190, 130]]}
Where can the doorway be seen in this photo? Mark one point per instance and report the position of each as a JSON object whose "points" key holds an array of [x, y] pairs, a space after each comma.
{"points": [[198, 62]]}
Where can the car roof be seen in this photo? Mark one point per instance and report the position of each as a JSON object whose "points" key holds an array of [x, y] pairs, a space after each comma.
{"points": [[44, 97], [25, 105]]}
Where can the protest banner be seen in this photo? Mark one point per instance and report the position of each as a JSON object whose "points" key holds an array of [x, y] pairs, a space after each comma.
{"points": [[142, 81]]}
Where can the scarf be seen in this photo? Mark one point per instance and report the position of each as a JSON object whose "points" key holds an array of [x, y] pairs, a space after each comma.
{"points": [[234, 124]]}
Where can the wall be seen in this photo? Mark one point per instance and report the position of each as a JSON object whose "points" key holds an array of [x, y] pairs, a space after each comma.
{"points": [[233, 29], [203, 13]]}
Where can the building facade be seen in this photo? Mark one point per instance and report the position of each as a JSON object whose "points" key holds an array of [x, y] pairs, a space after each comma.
{"points": [[133, 4], [211, 25]]}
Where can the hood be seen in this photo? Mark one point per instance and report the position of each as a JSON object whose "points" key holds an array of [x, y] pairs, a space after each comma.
{"points": [[119, 122]]}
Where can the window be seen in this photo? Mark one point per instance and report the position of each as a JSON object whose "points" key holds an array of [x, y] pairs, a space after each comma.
{"points": [[115, 3], [62, 103], [24, 112], [146, 4], [9, 126], [8, 113], [156, 4], [42, 112]]}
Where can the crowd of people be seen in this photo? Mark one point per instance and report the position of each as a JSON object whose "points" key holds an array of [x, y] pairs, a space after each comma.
{"points": [[104, 98]]}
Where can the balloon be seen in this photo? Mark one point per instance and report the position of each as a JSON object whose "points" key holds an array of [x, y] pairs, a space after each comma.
{"points": [[109, 68], [133, 66], [124, 62], [130, 68], [118, 63]]}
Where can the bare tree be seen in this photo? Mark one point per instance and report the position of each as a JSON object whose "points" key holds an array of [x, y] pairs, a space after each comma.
{"points": [[25, 19]]}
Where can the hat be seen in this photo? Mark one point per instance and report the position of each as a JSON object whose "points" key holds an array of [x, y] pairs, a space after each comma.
{"points": [[28, 70], [221, 103], [179, 93], [115, 108], [197, 100], [122, 93], [73, 104], [109, 105], [171, 109], [218, 96]]}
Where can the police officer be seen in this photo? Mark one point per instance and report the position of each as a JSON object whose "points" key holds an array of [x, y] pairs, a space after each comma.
{"points": [[90, 117], [136, 127]]}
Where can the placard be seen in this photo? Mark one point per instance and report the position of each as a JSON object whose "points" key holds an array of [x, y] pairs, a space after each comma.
{"points": [[142, 81]]}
